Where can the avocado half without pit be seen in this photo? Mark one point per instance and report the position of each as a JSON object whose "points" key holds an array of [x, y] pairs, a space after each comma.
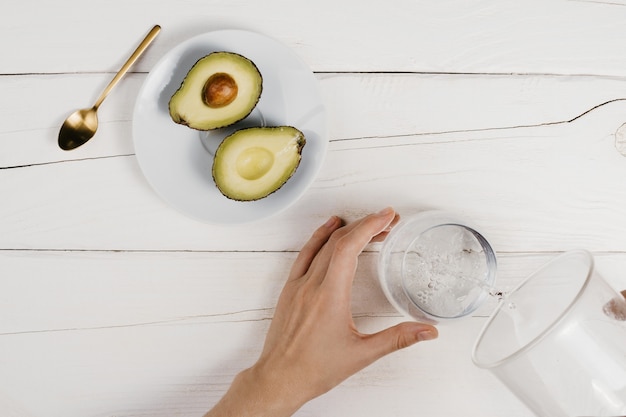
{"points": [[253, 163], [220, 89]]}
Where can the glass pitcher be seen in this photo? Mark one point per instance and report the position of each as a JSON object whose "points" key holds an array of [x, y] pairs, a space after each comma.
{"points": [[558, 341]]}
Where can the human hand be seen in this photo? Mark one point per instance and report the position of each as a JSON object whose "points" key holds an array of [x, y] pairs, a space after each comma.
{"points": [[616, 308], [313, 344]]}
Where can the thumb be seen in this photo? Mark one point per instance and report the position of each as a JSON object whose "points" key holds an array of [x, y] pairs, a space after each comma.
{"points": [[399, 337]]}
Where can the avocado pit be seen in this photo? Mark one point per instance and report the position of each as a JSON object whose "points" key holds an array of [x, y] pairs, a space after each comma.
{"points": [[220, 90]]}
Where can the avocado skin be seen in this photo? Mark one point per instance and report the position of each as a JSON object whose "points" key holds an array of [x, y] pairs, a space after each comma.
{"points": [[300, 142], [205, 125]]}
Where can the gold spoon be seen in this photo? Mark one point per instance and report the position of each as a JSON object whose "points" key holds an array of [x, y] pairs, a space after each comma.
{"points": [[81, 125]]}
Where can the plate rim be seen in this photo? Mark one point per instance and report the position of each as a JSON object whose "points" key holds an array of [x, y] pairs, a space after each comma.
{"points": [[321, 130]]}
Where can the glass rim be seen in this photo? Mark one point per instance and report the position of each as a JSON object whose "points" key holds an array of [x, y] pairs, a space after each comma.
{"points": [[530, 344]]}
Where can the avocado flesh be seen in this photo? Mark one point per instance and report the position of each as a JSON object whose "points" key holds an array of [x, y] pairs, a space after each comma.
{"points": [[220, 89], [253, 163]]}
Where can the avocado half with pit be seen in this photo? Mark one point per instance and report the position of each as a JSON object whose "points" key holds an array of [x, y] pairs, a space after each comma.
{"points": [[220, 89], [252, 163]]}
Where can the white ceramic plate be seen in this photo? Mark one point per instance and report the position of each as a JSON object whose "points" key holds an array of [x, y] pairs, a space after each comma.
{"points": [[177, 160]]}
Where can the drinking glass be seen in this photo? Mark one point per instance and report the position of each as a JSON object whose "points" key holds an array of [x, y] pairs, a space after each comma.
{"points": [[435, 267], [558, 341]]}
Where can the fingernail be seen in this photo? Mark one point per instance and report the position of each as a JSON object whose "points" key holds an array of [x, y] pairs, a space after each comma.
{"points": [[385, 212], [331, 222], [427, 335]]}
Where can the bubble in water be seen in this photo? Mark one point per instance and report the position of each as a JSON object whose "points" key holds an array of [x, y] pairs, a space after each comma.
{"points": [[445, 270]]}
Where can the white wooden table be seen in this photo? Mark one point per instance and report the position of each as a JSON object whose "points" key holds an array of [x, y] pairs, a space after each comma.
{"points": [[112, 303]]}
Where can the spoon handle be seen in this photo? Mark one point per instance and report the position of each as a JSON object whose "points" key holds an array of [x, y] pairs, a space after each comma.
{"points": [[140, 49]]}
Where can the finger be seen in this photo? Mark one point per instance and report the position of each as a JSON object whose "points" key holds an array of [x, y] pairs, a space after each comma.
{"points": [[346, 250], [397, 337], [351, 226], [383, 235], [616, 308], [319, 265], [313, 246]]}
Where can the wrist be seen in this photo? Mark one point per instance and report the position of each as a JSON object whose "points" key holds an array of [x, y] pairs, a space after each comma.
{"points": [[255, 393]]}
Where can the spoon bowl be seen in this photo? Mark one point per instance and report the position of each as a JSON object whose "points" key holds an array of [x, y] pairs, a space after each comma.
{"points": [[81, 125], [78, 128]]}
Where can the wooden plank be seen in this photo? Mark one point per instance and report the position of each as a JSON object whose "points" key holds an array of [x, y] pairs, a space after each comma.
{"points": [[446, 36], [65, 292], [114, 304], [116, 333], [183, 370], [70, 291], [30, 128], [358, 106], [543, 188]]}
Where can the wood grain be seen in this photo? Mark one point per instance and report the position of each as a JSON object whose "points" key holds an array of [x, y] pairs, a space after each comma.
{"points": [[460, 36], [131, 334], [112, 303], [539, 188]]}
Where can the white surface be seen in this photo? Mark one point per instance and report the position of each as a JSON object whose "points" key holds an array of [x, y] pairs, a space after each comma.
{"points": [[114, 304], [173, 157]]}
